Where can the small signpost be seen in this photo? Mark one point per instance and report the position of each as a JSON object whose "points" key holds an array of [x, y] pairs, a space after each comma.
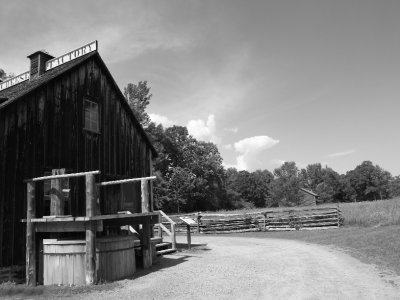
{"points": [[189, 222]]}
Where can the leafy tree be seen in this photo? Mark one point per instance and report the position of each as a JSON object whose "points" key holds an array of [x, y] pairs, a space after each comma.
{"points": [[5, 76], [285, 189], [138, 97], [367, 182], [181, 184], [250, 188], [324, 181], [394, 187], [2, 74], [192, 170]]}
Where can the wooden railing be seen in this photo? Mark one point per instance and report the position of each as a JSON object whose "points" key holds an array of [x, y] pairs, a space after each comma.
{"points": [[164, 219], [146, 207]]}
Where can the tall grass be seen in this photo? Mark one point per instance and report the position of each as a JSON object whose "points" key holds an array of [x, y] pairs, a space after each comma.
{"points": [[371, 213], [363, 214]]}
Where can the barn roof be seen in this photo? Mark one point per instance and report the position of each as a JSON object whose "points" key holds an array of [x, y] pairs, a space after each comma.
{"points": [[21, 89], [309, 192], [16, 92]]}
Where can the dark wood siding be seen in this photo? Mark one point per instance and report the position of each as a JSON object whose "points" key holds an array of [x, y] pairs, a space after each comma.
{"points": [[44, 130], [308, 199]]}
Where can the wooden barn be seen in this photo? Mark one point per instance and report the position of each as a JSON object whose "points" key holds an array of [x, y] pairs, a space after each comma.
{"points": [[66, 115], [309, 197]]}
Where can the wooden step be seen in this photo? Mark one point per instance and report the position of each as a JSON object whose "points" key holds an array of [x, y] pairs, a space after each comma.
{"points": [[163, 244], [166, 251]]}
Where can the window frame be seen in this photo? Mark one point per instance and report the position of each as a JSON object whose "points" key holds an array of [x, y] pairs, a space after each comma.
{"points": [[91, 120]]}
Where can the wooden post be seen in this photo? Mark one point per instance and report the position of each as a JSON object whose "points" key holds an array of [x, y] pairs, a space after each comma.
{"points": [[338, 216], [151, 183], [265, 219], [173, 236], [198, 222], [160, 231], [90, 230], [189, 240], [56, 195], [30, 236], [146, 244], [145, 196]]}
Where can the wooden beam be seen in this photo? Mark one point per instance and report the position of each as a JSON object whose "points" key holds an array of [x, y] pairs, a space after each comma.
{"points": [[146, 245], [126, 180], [91, 231], [56, 195], [132, 222], [67, 226], [151, 182], [127, 217], [30, 236], [145, 196], [62, 176]]}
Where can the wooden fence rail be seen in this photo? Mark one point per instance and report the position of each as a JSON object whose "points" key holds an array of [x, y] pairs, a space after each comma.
{"points": [[270, 220]]}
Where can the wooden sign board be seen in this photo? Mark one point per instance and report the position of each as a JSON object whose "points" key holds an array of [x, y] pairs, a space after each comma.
{"points": [[51, 64], [15, 80], [188, 221]]}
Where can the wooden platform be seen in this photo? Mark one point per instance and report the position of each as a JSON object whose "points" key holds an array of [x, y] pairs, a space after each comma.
{"points": [[77, 224]]}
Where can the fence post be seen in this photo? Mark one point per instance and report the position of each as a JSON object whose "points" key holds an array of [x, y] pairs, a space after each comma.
{"points": [[30, 236], [265, 219], [173, 236], [188, 236], [198, 222], [90, 230], [338, 216]]}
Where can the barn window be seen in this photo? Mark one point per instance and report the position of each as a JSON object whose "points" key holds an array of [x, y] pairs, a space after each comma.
{"points": [[91, 110]]}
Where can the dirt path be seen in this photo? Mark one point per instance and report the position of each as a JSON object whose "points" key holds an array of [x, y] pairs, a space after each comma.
{"points": [[252, 268]]}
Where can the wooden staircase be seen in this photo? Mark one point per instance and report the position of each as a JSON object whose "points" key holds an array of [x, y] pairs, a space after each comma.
{"points": [[165, 226]]}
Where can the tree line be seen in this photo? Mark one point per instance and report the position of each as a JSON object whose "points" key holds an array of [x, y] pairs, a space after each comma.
{"points": [[191, 176]]}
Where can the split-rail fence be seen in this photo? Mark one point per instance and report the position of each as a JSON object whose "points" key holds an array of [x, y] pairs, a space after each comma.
{"points": [[307, 218]]}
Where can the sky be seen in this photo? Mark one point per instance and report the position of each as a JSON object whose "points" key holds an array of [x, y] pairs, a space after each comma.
{"points": [[267, 81]]}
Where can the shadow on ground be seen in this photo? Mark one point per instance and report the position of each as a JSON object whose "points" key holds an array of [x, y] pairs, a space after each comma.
{"points": [[9, 289]]}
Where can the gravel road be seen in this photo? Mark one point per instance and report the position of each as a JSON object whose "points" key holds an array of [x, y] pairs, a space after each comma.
{"points": [[253, 268]]}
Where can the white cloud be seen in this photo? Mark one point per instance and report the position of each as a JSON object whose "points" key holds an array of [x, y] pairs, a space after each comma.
{"points": [[204, 131], [343, 153], [164, 121], [234, 130], [255, 144], [250, 149], [277, 162], [227, 147]]}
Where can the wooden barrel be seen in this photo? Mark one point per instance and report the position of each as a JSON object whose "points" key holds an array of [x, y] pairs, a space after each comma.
{"points": [[115, 257], [64, 260]]}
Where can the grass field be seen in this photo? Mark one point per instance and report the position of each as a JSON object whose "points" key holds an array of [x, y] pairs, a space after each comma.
{"points": [[371, 213]]}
